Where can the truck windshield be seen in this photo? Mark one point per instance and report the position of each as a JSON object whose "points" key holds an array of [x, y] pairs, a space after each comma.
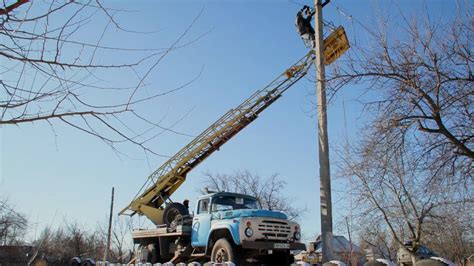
{"points": [[224, 203]]}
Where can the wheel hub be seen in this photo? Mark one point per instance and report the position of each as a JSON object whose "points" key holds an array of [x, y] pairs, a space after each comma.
{"points": [[221, 255]]}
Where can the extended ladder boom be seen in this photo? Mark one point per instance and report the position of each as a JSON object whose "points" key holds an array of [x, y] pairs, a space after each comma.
{"points": [[166, 179]]}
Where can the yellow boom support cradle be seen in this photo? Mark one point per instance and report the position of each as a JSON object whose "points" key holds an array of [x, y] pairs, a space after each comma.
{"points": [[162, 183]]}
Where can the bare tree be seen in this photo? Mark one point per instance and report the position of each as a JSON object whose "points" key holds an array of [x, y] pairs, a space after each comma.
{"points": [[375, 238], [268, 190], [392, 194], [419, 88], [58, 246], [13, 224], [414, 159], [58, 68], [121, 238], [452, 234]]}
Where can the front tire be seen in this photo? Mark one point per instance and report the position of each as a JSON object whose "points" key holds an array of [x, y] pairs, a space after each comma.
{"points": [[223, 251]]}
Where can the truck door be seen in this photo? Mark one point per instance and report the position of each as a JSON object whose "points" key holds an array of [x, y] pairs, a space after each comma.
{"points": [[201, 224]]}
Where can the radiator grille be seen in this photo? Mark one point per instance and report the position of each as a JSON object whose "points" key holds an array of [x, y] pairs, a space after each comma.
{"points": [[274, 230]]}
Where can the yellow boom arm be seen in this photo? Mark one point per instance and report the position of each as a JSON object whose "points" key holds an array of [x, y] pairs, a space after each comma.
{"points": [[167, 179]]}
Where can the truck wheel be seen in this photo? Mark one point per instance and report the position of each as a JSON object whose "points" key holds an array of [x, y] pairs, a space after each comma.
{"points": [[142, 253], [88, 262], [172, 210], [223, 251], [76, 261], [153, 253]]}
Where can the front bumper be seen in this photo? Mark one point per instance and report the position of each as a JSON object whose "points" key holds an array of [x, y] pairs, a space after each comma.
{"points": [[267, 245]]}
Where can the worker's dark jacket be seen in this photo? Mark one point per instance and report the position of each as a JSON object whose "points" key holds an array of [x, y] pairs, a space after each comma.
{"points": [[303, 24]]}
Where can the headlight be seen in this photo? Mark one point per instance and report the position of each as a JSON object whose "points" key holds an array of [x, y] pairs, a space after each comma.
{"points": [[248, 232], [297, 235]]}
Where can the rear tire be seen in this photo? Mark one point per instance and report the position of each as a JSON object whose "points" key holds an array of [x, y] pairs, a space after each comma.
{"points": [[153, 253], [172, 211], [142, 254]]}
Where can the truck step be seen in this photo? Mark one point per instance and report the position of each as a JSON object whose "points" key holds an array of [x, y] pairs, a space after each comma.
{"points": [[198, 254]]}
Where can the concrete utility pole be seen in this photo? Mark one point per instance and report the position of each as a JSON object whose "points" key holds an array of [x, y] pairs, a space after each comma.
{"points": [[324, 173]]}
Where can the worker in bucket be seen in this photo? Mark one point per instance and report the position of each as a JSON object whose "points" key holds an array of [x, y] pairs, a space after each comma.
{"points": [[304, 27]]}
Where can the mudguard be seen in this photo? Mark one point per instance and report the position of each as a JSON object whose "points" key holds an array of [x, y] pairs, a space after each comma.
{"points": [[232, 226]]}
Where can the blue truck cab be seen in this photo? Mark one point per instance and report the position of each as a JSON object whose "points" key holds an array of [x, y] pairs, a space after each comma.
{"points": [[233, 227]]}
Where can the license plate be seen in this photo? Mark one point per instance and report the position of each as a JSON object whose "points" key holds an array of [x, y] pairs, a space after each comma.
{"points": [[281, 246]]}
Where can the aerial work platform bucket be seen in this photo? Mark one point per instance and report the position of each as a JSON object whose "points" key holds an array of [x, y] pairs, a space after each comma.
{"points": [[335, 45]]}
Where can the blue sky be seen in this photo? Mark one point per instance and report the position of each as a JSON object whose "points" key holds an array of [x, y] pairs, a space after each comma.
{"points": [[248, 43]]}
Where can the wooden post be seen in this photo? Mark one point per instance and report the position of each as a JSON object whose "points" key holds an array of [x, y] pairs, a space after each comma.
{"points": [[109, 233]]}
